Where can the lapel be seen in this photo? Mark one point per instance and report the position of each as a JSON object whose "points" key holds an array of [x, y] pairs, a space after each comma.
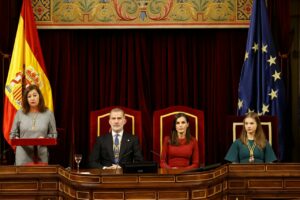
{"points": [[124, 141], [109, 142]]}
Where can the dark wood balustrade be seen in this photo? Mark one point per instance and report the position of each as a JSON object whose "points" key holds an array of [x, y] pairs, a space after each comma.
{"points": [[232, 182]]}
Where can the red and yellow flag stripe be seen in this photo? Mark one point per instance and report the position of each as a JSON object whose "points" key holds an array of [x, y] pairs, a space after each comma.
{"points": [[26, 67]]}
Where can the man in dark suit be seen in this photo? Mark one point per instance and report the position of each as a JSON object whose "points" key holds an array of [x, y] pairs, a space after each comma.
{"points": [[116, 147]]}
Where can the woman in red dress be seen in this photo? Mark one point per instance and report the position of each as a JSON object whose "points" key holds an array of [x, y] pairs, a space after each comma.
{"points": [[180, 150]]}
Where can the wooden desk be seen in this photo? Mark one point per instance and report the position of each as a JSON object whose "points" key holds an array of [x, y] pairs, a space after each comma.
{"points": [[234, 181]]}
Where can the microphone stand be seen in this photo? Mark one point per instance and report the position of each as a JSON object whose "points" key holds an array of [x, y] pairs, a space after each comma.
{"points": [[167, 169], [117, 167], [155, 153], [158, 155]]}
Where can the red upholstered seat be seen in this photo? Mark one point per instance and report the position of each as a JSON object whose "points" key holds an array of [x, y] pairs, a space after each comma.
{"points": [[162, 126], [99, 123]]}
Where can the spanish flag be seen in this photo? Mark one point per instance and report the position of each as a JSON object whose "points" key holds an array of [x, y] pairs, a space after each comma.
{"points": [[26, 67]]}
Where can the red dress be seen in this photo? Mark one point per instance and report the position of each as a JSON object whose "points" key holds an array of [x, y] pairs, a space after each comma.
{"points": [[184, 156]]}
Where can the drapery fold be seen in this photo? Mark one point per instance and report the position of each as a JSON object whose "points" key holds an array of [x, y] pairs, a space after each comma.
{"points": [[145, 70]]}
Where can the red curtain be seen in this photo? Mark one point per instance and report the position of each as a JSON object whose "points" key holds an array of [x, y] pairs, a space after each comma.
{"points": [[144, 70]]}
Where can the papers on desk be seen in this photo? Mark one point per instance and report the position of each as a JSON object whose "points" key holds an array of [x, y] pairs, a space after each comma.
{"points": [[85, 173]]}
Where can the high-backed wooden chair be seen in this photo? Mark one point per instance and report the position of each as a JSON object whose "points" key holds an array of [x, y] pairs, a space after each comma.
{"points": [[99, 123], [234, 125], [162, 126]]}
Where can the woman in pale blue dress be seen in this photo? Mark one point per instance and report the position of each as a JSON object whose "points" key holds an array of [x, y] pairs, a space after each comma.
{"points": [[34, 120], [252, 146]]}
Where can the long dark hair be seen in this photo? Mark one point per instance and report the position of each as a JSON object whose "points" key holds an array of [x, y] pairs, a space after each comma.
{"points": [[174, 135], [259, 137], [25, 104]]}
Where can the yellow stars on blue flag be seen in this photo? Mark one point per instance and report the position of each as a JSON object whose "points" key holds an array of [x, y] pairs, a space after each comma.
{"points": [[260, 81], [276, 75], [273, 94], [264, 48], [272, 60], [265, 109], [261, 88], [255, 47], [246, 56], [240, 104]]}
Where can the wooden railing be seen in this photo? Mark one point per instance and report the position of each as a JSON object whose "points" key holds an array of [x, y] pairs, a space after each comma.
{"points": [[233, 181]]}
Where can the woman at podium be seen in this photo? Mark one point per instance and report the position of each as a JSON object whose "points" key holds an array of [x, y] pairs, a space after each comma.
{"points": [[252, 146], [180, 150], [34, 120]]}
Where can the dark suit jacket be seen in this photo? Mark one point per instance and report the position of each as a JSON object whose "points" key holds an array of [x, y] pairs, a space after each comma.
{"points": [[103, 154]]}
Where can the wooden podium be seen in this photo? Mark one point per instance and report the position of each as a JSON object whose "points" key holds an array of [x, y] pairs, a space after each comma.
{"points": [[34, 142]]}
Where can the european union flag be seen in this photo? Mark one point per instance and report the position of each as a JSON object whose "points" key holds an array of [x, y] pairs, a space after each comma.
{"points": [[261, 86]]}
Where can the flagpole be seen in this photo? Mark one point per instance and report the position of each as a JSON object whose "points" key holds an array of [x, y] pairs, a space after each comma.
{"points": [[4, 56], [3, 145]]}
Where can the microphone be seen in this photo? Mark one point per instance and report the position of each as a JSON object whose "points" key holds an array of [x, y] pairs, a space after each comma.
{"points": [[124, 156], [155, 153], [159, 156]]}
